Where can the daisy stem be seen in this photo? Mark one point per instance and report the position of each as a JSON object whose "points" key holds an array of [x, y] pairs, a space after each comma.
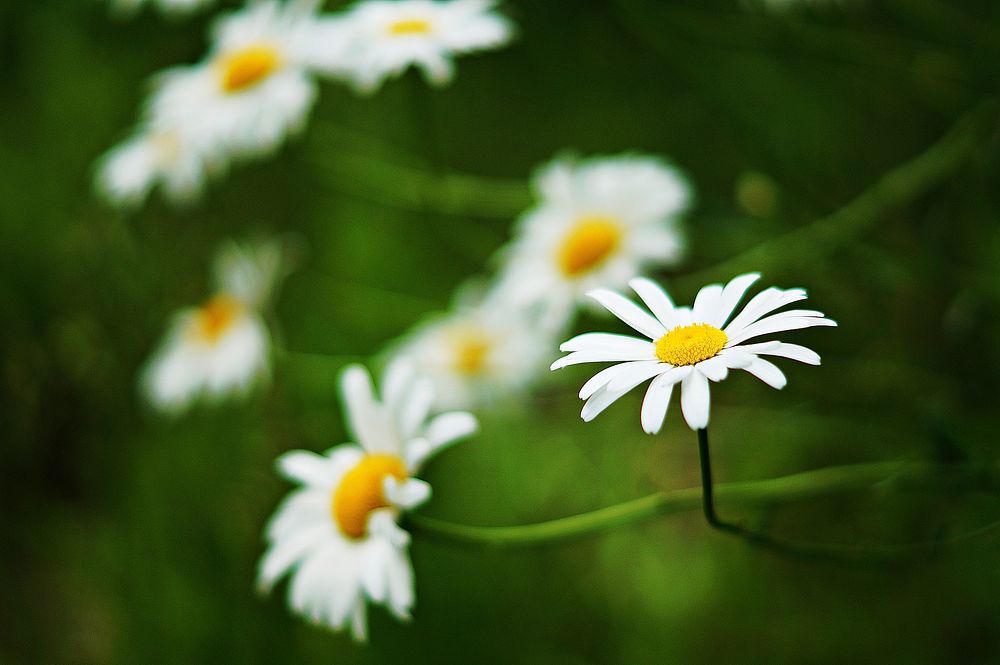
{"points": [[771, 491], [707, 497]]}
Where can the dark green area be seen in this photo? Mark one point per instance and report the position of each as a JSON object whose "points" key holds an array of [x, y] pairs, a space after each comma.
{"points": [[127, 538]]}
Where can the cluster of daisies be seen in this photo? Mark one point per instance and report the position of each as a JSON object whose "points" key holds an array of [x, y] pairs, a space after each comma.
{"points": [[597, 223], [258, 82]]}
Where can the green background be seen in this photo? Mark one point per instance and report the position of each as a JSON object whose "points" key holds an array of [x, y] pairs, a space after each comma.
{"points": [[129, 538]]}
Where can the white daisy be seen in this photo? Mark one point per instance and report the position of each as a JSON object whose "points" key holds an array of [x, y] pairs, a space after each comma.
{"points": [[130, 170], [478, 354], [222, 347], [388, 36], [599, 222], [256, 86], [689, 346], [338, 533]]}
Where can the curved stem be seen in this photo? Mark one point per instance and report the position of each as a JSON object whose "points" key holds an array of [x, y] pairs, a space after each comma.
{"points": [[892, 191], [785, 489]]}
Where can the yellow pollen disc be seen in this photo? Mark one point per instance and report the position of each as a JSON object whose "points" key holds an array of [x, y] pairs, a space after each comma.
{"points": [[589, 244], [215, 317], [413, 26], [470, 353], [248, 67], [360, 492], [688, 345]]}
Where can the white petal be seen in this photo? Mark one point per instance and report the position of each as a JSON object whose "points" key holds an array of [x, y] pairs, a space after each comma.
{"points": [[736, 358], [714, 368], [416, 408], [605, 342], [451, 426], [695, 400], [656, 299], [776, 324], [783, 350], [396, 383], [657, 399], [629, 312], [706, 303], [305, 467], [408, 494], [766, 301], [636, 374], [578, 357], [731, 296], [603, 377], [767, 372], [599, 401], [366, 418], [284, 554]]}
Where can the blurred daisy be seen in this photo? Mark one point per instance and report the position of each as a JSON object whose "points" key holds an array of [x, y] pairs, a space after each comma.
{"points": [[599, 222], [166, 6], [338, 533], [689, 346], [256, 86], [223, 346], [478, 354], [388, 36], [129, 171]]}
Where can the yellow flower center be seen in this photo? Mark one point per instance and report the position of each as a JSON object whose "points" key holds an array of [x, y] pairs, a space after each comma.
{"points": [[471, 352], [589, 244], [688, 345], [214, 318], [360, 492], [411, 26], [246, 68]]}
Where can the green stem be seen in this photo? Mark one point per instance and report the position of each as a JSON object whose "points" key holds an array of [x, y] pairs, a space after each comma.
{"points": [[820, 482], [789, 251]]}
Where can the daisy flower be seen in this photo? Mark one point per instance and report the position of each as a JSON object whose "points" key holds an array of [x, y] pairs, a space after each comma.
{"points": [[129, 171], [599, 222], [688, 346], [256, 86], [388, 36], [479, 353], [338, 535], [223, 346]]}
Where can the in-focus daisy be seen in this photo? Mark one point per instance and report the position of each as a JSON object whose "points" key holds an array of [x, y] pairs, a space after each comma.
{"points": [[223, 346], [256, 86], [338, 533], [388, 36], [478, 354], [166, 6], [599, 222], [688, 346], [130, 170]]}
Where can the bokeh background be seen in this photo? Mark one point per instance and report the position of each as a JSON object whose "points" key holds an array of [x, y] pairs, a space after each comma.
{"points": [[126, 537]]}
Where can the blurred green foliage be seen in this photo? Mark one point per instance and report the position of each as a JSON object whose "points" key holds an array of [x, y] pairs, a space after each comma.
{"points": [[128, 538]]}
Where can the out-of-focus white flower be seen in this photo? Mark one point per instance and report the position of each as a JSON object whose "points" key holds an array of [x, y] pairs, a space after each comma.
{"points": [[166, 6], [478, 353], [598, 222], [130, 170], [254, 89], [256, 86], [338, 533], [689, 346], [387, 36], [222, 347]]}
